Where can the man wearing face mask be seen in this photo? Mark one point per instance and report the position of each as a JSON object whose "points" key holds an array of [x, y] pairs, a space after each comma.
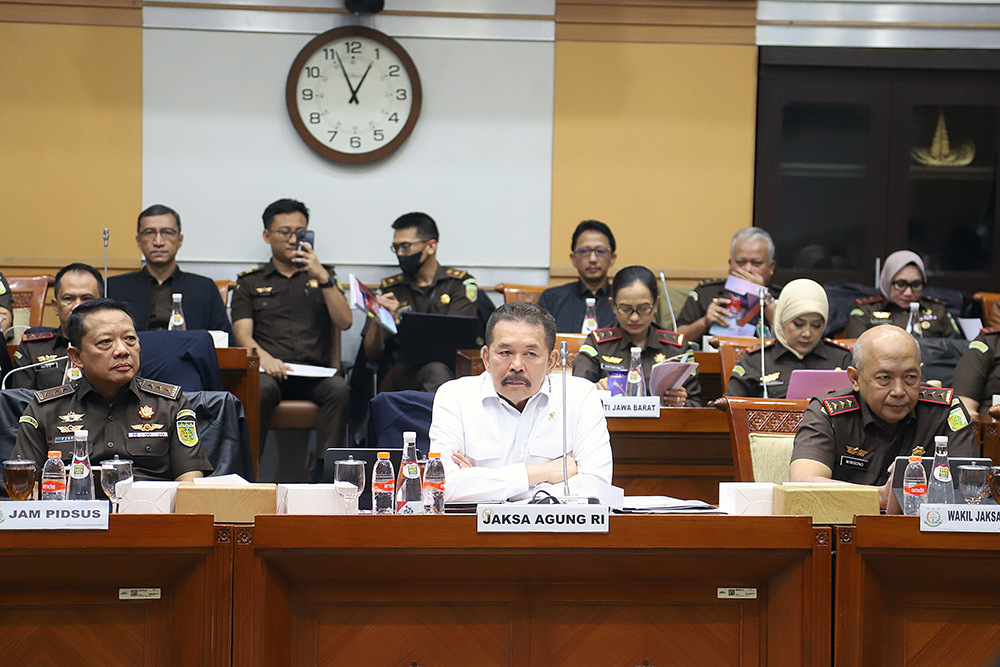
{"points": [[424, 286]]}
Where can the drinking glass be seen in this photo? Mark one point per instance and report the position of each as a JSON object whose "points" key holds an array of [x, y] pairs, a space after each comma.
{"points": [[349, 482], [973, 482], [19, 478], [995, 483], [116, 479]]}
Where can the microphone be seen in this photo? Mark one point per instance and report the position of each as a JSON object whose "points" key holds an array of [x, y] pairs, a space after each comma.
{"points": [[563, 358], [3, 385], [106, 261], [761, 295], [670, 307]]}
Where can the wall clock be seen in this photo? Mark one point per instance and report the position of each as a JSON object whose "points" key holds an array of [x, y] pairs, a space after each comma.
{"points": [[353, 94]]}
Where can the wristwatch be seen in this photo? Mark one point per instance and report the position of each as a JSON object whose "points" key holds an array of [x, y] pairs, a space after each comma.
{"points": [[328, 283]]}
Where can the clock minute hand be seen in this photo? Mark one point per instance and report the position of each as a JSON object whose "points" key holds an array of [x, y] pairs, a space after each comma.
{"points": [[354, 97], [343, 70]]}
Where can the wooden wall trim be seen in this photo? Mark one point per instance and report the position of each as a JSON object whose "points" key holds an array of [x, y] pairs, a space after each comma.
{"points": [[657, 21], [112, 13]]}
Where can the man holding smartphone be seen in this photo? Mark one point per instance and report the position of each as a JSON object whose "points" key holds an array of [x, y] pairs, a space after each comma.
{"points": [[287, 310]]}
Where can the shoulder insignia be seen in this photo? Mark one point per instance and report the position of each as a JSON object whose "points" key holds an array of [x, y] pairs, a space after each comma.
{"points": [[856, 312], [692, 294], [838, 405], [471, 288], [957, 419], [37, 335], [605, 335], [936, 395], [711, 281], [739, 371], [249, 271], [159, 388], [991, 330], [28, 419], [588, 350], [17, 354], [834, 341], [670, 337], [933, 300], [392, 280], [865, 300], [758, 348], [54, 392], [979, 345], [456, 273]]}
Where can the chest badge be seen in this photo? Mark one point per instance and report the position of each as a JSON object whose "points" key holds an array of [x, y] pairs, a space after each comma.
{"points": [[857, 451], [881, 315], [146, 427], [45, 357], [72, 428], [146, 412], [771, 379], [70, 417], [659, 357], [612, 360], [312, 284], [263, 290], [445, 299]]}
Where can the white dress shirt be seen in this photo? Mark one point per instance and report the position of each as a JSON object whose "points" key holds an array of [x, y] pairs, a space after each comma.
{"points": [[470, 418]]}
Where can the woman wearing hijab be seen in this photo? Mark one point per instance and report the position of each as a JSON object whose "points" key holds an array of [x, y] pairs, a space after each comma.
{"points": [[800, 318], [902, 282]]}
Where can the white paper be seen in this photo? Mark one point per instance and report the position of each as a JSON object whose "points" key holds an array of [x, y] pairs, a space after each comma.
{"points": [[308, 371], [665, 505], [670, 375], [222, 480], [150, 497], [219, 338]]}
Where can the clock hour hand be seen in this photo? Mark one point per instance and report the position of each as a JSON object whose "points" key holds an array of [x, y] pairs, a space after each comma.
{"points": [[354, 97]]}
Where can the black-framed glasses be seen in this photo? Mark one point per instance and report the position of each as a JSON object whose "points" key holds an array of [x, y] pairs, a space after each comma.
{"points": [[901, 285], [151, 233], [626, 310], [283, 234], [585, 252], [404, 246]]}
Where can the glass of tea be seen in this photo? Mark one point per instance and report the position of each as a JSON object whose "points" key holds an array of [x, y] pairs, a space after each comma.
{"points": [[995, 483], [19, 478]]}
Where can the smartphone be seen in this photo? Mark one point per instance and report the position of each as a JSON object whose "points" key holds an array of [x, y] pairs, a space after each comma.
{"points": [[307, 236]]}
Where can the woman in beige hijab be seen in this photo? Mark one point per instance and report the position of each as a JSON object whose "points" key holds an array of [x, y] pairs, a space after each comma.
{"points": [[800, 318], [902, 282]]}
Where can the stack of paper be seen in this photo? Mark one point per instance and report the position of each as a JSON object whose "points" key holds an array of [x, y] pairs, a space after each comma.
{"points": [[667, 505]]}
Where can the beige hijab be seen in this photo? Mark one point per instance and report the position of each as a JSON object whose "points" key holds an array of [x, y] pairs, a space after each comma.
{"points": [[799, 297], [893, 264]]}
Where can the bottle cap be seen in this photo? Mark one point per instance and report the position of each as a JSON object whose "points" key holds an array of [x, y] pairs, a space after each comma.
{"points": [[434, 455], [914, 459], [81, 435], [940, 440], [590, 302], [177, 296], [382, 455], [409, 436], [636, 350], [55, 453]]}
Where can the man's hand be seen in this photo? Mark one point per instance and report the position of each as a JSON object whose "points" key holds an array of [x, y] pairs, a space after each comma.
{"points": [[716, 313], [391, 303], [886, 498], [306, 259], [602, 384], [673, 398], [276, 368], [747, 274], [551, 472]]}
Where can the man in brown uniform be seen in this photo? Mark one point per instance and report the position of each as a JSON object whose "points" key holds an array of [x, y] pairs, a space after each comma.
{"points": [[287, 310], [150, 423], [74, 284], [977, 376], [424, 286], [854, 436]]}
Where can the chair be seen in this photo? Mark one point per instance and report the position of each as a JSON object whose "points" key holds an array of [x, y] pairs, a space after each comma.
{"points": [[731, 350], [762, 431], [29, 294], [513, 293], [226, 288], [987, 301]]}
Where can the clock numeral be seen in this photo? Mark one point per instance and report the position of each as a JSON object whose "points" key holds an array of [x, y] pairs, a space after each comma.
{"points": [[393, 70], [332, 133], [379, 135], [329, 54], [307, 93], [312, 72], [314, 118], [394, 118], [401, 94], [355, 142], [377, 54], [352, 47]]}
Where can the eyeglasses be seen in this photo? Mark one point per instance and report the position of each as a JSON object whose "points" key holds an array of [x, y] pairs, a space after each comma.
{"points": [[585, 252], [901, 285], [626, 310], [152, 233], [283, 234], [405, 247]]}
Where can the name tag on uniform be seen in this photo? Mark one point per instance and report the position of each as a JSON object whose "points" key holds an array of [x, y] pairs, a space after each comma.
{"points": [[854, 462], [140, 434]]}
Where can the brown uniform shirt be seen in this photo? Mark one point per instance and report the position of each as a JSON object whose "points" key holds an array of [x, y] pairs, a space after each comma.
{"points": [[290, 318], [161, 300], [699, 299], [452, 292], [607, 349], [977, 375], [150, 423], [934, 319], [841, 432], [779, 362], [42, 345]]}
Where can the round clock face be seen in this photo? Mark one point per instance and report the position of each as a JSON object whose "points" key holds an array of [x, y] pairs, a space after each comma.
{"points": [[353, 94]]}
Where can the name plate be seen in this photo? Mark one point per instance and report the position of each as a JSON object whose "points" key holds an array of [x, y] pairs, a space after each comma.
{"points": [[960, 518], [542, 518], [631, 406], [54, 514]]}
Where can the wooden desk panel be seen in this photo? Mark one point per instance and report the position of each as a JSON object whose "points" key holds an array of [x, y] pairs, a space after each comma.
{"points": [[346, 591], [240, 370], [61, 587], [915, 599]]}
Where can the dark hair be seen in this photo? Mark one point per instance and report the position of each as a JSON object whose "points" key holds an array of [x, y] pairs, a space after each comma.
{"points": [[283, 206], [79, 267], [74, 323], [527, 312], [593, 226], [158, 209], [635, 274], [427, 229]]}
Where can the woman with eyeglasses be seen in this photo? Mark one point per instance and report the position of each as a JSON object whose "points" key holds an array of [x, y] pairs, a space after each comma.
{"points": [[799, 317], [634, 296], [902, 282]]}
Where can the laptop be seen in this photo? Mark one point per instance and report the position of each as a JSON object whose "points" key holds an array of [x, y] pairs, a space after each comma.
{"points": [[807, 383], [927, 461], [365, 454], [427, 337]]}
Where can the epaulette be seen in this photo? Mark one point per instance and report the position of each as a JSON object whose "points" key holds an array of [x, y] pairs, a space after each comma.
{"points": [[991, 330], [670, 337], [757, 348], [834, 341], [249, 271], [838, 405], [44, 395], [941, 396], [933, 300], [865, 300], [159, 388], [456, 273], [392, 280], [38, 335], [604, 335]]}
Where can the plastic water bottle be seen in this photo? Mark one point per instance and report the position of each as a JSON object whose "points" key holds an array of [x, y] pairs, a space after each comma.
{"points": [[54, 477], [635, 384], [590, 318], [409, 495], [81, 478], [940, 489], [912, 323], [383, 486], [177, 322], [434, 484], [914, 486]]}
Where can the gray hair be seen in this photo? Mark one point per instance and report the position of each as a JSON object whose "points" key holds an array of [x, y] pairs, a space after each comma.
{"points": [[523, 311], [752, 234], [858, 352]]}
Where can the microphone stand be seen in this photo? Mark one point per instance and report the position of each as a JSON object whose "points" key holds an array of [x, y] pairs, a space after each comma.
{"points": [[105, 261], [761, 293], [563, 357], [3, 385], [670, 307]]}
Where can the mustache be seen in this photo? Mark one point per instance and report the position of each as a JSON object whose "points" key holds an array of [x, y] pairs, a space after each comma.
{"points": [[515, 377]]}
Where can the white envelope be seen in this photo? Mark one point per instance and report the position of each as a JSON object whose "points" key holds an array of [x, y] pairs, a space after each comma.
{"points": [[150, 498], [746, 498], [309, 499]]}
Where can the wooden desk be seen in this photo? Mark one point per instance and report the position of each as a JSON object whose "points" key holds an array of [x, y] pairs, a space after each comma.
{"points": [[683, 453], [431, 591], [915, 599], [240, 370], [59, 588]]}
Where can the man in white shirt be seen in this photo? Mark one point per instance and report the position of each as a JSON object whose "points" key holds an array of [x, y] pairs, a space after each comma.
{"points": [[500, 433]]}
